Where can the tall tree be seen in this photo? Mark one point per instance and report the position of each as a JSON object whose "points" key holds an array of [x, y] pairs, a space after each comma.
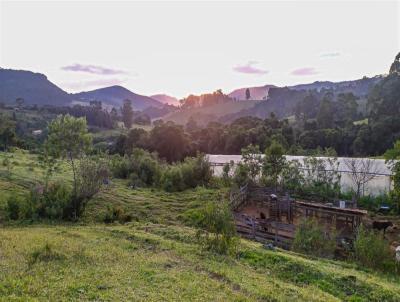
{"points": [[248, 96], [127, 113], [7, 131], [325, 114], [274, 162], [68, 137]]}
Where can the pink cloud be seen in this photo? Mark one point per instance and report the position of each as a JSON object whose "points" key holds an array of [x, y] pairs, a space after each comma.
{"points": [[249, 68], [305, 71], [93, 69]]}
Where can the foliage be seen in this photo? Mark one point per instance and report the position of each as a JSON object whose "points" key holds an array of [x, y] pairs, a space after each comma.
{"points": [[321, 177], [252, 158], [218, 232], [127, 113], [392, 157], [226, 173], [50, 203], [274, 163], [15, 208], [241, 175], [312, 239], [7, 131], [115, 213], [372, 250], [68, 137], [172, 179]]}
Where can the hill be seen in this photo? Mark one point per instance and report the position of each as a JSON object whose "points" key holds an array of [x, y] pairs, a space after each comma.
{"points": [[283, 100], [114, 96], [206, 114], [156, 257], [256, 93], [166, 99], [33, 88], [359, 87]]}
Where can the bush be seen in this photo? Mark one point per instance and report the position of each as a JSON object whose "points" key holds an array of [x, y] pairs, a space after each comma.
{"points": [[40, 203], [172, 179], [196, 171], [115, 213], [373, 251], [218, 231], [141, 167], [312, 239], [51, 203], [241, 175], [15, 208]]}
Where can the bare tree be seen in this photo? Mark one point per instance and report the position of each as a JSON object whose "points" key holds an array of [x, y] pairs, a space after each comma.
{"points": [[362, 171]]}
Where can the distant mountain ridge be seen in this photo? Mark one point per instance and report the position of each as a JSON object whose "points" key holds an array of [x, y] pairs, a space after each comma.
{"points": [[256, 93], [358, 87], [33, 88], [115, 95], [166, 99]]}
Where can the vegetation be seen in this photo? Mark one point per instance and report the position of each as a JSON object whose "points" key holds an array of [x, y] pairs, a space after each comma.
{"points": [[372, 250], [312, 239]]}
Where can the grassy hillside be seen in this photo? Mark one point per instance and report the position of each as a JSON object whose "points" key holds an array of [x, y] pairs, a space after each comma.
{"points": [[209, 113], [156, 257]]}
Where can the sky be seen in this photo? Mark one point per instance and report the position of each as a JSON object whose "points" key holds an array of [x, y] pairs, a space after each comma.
{"points": [[182, 48]]}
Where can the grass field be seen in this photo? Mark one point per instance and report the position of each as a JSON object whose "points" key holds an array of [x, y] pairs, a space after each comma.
{"points": [[155, 257]]}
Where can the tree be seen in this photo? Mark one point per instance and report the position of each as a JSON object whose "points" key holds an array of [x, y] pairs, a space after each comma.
{"points": [[169, 141], [20, 102], [68, 137], [251, 156], [325, 114], [127, 113], [7, 131], [274, 162], [362, 171], [248, 96], [392, 157]]}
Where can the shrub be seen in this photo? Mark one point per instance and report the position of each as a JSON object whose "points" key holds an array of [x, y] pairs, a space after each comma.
{"points": [[172, 179], [241, 175], [15, 208], [141, 167], [312, 239], [115, 213], [217, 228], [196, 171], [226, 173], [372, 250], [51, 203]]}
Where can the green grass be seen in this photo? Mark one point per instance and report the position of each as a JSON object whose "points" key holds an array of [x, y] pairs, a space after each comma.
{"points": [[156, 257]]}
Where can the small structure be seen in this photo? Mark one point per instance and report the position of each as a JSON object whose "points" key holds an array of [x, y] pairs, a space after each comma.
{"points": [[37, 132], [263, 215]]}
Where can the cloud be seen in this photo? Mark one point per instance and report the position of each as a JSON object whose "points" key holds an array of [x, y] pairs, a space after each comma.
{"points": [[250, 69], [93, 69], [305, 71], [330, 54], [99, 83]]}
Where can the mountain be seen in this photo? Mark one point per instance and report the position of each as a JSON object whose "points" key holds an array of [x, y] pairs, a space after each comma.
{"points": [[166, 99], [115, 95], [283, 100], [358, 87], [33, 88], [256, 93]]}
